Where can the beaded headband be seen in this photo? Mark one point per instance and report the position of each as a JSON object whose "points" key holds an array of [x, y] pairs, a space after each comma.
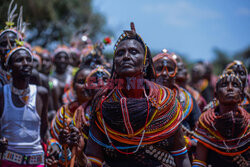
{"points": [[229, 73], [165, 54], [236, 62], [98, 68], [19, 36], [131, 34], [8, 56], [176, 57]]}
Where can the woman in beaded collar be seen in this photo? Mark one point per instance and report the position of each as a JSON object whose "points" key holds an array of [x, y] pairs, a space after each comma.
{"points": [[166, 71], [240, 70], [129, 126], [223, 131]]}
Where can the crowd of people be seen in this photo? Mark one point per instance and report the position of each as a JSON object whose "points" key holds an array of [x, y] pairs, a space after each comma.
{"points": [[72, 107]]}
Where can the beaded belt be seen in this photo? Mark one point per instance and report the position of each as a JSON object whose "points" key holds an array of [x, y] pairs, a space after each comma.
{"points": [[23, 159]]}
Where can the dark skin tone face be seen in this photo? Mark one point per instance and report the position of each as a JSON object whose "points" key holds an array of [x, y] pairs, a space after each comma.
{"points": [[129, 58], [4, 44], [35, 64], [75, 59], [229, 91], [97, 81], [181, 75], [240, 72], [46, 63], [198, 72], [79, 85], [61, 62], [164, 68], [21, 64]]}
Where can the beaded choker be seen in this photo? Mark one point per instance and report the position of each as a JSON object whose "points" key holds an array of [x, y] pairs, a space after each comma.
{"points": [[23, 94]]}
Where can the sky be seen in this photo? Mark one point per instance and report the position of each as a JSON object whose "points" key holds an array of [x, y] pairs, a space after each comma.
{"points": [[190, 27]]}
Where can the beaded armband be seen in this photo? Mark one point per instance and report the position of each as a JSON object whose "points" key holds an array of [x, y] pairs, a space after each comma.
{"points": [[179, 152], [199, 163], [95, 160]]}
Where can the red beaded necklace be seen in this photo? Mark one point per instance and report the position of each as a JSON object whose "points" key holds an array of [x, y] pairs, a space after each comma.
{"points": [[127, 123]]}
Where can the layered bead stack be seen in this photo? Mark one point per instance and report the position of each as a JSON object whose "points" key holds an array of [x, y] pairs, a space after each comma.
{"points": [[162, 156]]}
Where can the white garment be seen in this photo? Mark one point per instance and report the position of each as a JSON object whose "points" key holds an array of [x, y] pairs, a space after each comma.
{"points": [[21, 125]]}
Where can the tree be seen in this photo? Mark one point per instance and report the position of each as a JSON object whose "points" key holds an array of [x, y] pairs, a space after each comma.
{"points": [[54, 21]]}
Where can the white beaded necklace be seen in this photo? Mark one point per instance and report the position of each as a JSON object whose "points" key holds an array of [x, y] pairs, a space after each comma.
{"points": [[23, 94]]}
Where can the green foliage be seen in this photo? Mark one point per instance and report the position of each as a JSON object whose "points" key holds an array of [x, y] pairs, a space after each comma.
{"points": [[56, 20]]}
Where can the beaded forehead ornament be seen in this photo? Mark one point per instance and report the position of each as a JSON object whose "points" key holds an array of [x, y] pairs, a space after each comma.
{"points": [[97, 69], [228, 73], [131, 34], [238, 63], [11, 53], [165, 54]]}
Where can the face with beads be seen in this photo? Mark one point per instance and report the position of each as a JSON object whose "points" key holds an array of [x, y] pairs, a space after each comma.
{"points": [[240, 72], [165, 71], [7, 41], [129, 57], [97, 80], [229, 91], [21, 64]]}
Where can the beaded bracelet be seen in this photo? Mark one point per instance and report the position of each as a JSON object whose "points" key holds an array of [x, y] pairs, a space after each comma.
{"points": [[95, 160], [199, 163], [179, 152]]}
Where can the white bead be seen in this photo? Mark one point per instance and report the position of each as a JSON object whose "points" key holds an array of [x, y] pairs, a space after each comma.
{"points": [[167, 160], [151, 147]]}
